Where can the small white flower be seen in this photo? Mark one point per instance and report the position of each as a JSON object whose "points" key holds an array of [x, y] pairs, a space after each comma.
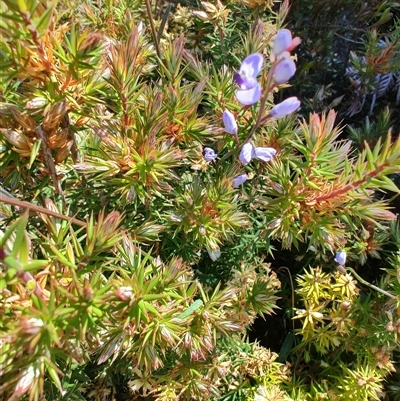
{"points": [[32, 325]]}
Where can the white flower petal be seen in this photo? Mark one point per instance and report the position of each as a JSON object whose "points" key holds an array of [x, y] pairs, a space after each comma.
{"points": [[248, 97], [252, 65]]}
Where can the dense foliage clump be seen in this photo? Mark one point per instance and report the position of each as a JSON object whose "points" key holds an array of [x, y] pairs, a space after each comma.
{"points": [[156, 200]]}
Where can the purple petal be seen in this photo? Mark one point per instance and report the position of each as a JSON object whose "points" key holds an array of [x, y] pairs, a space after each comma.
{"points": [[245, 82], [284, 71], [209, 154], [282, 41], [229, 122], [252, 65], [239, 180], [264, 154], [340, 257], [246, 153], [286, 107], [248, 97]]}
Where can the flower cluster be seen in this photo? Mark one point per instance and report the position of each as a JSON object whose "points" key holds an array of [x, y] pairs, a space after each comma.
{"points": [[250, 92]]}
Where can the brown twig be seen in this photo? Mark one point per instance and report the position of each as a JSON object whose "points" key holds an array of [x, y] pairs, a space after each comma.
{"points": [[153, 28], [48, 157], [40, 209]]}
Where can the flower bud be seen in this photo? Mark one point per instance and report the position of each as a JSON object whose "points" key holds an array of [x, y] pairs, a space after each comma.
{"points": [[202, 15], [239, 180], [282, 41], [285, 108], [285, 70], [264, 154], [124, 293], [229, 122], [246, 153], [214, 253], [36, 103], [390, 327], [26, 381], [31, 325]]}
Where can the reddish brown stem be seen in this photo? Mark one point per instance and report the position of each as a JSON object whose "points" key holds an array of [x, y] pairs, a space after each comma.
{"points": [[39, 209], [349, 187]]}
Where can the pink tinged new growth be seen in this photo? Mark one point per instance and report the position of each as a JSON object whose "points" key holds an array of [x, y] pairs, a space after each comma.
{"points": [[239, 180], [250, 90], [26, 381], [229, 122], [209, 154], [282, 42], [340, 257], [285, 70], [285, 108]]}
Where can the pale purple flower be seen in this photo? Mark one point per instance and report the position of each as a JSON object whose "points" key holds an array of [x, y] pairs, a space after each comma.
{"points": [[249, 152], [264, 154], [282, 42], [285, 70], [229, 122], [285, 108], [246, 153], [340, 257], [214, 253], [239, 180], [209, 154], [250, 89]]}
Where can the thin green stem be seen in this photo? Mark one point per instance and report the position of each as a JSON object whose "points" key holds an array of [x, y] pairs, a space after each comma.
{"points": [[374, 287], [261, 117]]}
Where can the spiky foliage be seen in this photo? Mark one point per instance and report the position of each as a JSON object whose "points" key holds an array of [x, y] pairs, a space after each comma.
{"points": [[130, 266]]}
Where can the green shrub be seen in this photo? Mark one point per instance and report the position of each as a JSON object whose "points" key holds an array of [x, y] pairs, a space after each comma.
{"points": [[133, 261]]}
